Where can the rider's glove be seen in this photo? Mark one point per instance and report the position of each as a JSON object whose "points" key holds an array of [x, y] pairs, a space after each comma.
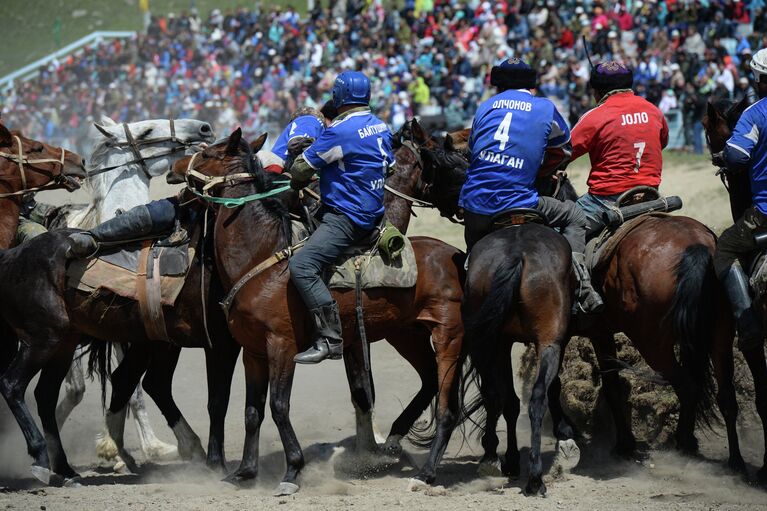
{"points": [[298, 145]]}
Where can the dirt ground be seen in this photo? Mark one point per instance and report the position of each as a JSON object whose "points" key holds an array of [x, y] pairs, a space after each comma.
{"points": [[323, 418]]}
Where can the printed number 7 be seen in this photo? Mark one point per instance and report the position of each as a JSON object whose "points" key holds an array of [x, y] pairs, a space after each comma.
{"points": [[640, 150], [502, 133]]}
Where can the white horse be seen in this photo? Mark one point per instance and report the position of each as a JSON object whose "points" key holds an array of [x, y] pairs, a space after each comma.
{"points": [[125, 158]]}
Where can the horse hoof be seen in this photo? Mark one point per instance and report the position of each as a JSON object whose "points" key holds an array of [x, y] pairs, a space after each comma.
{"points": [[106, 448], [72, 482], [240, 480], [285, 488], [414, 485], [737, 465], [490, 469], [160, 451], [392, 447], [568, 454], [535, 487], [761, 475], [42, 474]]}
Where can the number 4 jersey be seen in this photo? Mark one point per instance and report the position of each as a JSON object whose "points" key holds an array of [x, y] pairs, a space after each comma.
{"points": [[624, 136], [509, 137], [353, 156]]}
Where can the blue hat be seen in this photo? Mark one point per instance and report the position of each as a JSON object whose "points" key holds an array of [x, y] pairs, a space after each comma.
{"points": [[513, 73], [611, 75], [351, 88]]}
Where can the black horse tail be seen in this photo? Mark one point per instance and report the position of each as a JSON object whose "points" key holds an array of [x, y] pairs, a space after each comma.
{"points": [[482, 331], [100, 364], [691, 317]]}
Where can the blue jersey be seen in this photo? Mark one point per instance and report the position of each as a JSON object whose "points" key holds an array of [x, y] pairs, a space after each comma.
{"points": [[303, 126], [353, 155], [748, 147], [509, 137]]}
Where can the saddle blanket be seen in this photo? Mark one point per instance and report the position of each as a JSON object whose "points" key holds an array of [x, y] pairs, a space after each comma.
{"points": [[90, 275], [375, 271]]}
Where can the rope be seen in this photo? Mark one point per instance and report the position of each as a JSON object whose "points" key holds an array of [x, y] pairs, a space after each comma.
{"points": [[235, 202]]}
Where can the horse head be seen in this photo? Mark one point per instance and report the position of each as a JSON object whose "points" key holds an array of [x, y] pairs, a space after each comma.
{"points": [[445, 171], [29, 165], [720, 120]]}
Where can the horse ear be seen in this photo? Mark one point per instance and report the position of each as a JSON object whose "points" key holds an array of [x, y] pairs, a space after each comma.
{"points": [[233, 147], [449, 144], [104, 131], [107, 121], [6, 139], [712, 114], [258, 143], [419, 134]]}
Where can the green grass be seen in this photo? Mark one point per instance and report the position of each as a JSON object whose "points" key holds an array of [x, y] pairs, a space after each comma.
{"points": [[28, 25]]}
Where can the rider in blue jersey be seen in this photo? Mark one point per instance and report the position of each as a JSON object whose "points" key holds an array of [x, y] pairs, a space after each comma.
{"points": [[516, 138], [746, 151], [352, 157]]}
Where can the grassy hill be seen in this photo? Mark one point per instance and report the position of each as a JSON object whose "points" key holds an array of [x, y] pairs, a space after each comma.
{"points": [[29, 26]]}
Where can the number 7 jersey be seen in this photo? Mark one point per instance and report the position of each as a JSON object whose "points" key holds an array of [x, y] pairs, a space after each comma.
{"points": [[624, 136], [509, 137]]}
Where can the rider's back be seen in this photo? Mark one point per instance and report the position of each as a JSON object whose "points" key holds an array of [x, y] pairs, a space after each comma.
{"points": [[624, 136]]}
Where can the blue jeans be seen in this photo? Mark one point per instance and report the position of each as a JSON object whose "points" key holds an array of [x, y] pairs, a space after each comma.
{"points": [[324, 247], [594, 206]]}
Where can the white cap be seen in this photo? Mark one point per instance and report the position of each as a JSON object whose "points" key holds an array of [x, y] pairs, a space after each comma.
{"points": [[759, 65]]}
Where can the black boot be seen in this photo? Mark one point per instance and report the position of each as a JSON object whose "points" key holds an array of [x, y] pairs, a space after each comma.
{"points": [[747, 321], [587, 300], [136, 223], [328, 342]]}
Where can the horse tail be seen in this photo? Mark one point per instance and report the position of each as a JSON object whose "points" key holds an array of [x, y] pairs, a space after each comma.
{"points": [[691, 317], [100, 364], [481, 341]]}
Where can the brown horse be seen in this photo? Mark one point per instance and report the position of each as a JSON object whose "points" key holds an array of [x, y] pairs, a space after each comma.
{"points": [[270, 321], [659, 289], [719, 121], [27, 165]]}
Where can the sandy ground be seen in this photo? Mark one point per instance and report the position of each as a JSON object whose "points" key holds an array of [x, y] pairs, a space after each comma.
{"points": [[323, 418]]}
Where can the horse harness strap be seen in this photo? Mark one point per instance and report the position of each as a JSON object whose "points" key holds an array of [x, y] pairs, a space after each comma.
{"points": [[20, 159], [278, 257], [148, 292]]}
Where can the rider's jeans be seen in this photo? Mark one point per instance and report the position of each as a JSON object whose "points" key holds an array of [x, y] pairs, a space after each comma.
{"points": [[738, 240], [594, 206], [332, 238]]}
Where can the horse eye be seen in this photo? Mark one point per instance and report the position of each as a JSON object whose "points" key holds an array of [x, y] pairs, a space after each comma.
{"points": [[37, 148]]}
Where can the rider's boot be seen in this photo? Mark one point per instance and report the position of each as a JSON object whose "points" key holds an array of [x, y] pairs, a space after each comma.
{"points": [[328, 341], [136, 223], [747, 321], [587, 300]]}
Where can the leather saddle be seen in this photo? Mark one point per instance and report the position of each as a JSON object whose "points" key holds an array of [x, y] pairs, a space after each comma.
{"points": [[515, 217]]}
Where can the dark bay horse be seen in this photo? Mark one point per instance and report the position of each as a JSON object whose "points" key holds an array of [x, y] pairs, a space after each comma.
{"points": [[268, 318], [518, 289], [660, 290], [719, 122]]}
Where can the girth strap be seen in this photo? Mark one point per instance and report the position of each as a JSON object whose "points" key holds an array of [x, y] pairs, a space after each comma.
{"points": [[149, 293]]}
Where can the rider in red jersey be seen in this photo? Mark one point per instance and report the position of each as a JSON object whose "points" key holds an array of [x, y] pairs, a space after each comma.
{"points": [[624, 136]]}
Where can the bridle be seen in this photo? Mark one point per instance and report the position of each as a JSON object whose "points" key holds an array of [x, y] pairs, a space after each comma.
{"points": [[420, 184], [21, 159], [211, 181], [135, 147]]}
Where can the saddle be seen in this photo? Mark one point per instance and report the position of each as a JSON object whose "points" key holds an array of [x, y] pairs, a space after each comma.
{"points": [[632, 209], [151, 272], [517, 216], [367, 260]]}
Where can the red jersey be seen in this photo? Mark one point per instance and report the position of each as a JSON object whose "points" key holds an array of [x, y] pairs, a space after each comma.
{"points": [[624, 137]]}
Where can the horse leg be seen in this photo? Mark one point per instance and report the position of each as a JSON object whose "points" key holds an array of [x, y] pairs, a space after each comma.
{"points": [[219, 363], [74, 391], [363, 397], [13, 385], [758, 366], [124, 380], [256, 385], [688, 396], [510, 464], [281, 371], [490, 464], [152, 447], [158, 384], [447, 343], [548, 367], [604, 346], [415, 347], [722, 359], [46, 395]]}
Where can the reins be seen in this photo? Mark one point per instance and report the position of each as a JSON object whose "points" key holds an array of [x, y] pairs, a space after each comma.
{"points": [[20, 159], [135, 147]]}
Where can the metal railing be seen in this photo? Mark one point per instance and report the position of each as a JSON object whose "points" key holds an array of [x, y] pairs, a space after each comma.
{"points": [[33, 69]]}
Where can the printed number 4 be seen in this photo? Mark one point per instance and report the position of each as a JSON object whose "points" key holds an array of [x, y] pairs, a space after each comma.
{"points": [[502, 133], [640, 150]]}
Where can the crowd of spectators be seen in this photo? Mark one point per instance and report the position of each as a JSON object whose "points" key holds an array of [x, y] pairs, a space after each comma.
{"points": [[255, 65]]}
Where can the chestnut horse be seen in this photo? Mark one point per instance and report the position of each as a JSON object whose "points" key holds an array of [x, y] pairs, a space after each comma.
{"points": [[659, 289], [270, 321], [719, 121]]}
